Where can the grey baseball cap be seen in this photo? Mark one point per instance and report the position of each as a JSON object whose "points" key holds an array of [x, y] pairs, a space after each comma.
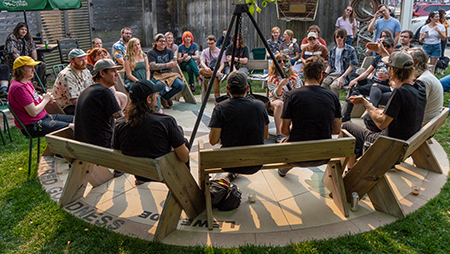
{"points": [[237, 79], [105, 64], [399, 59], [76, 53], [389, 41], [141, 89]]}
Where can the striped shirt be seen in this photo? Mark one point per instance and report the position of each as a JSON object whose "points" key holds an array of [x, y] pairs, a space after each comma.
{"points": [[273, 82]]}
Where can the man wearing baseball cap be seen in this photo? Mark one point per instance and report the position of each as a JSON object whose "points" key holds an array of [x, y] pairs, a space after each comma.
{"points": [[314, 48], [97, 107], [72, 81], [145, 133], [404, 111], [239, 121]]}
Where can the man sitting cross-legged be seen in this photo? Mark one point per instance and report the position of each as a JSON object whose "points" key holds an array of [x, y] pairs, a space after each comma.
{"points": [[209, 55], [239, 121], [313, 111]]}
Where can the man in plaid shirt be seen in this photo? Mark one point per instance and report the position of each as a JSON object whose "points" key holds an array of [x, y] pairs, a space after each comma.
{"points": [[341, 60]]}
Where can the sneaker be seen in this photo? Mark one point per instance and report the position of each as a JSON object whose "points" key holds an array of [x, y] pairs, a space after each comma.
{"points": [[165, 104], [4, 90], [220, 76], [117, 173], [138, 182], [199, 80], [280, 138], [345, 119], [281, 174], [170, 102], [231, 176], [224, 77], [193, 89]]}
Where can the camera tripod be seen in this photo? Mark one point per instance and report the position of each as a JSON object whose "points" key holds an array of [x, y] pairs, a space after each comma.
{"points": [[237, 14]]}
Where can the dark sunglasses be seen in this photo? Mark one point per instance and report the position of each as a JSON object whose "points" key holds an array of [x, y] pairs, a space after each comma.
{"points": [[285, 61], [339, 36], [387, 46], [349, 10], [311, 39]]}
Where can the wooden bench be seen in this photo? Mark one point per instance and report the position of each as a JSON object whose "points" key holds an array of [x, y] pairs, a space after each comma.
{"points": [[274, 156], [368, 175], [184, 193], [251, 65]]}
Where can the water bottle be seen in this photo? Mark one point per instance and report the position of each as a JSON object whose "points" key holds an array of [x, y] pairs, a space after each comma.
{"points": [[46, 44]]}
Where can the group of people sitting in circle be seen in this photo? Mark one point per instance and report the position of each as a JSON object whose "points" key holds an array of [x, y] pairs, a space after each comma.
{"points": [[302, 109]]}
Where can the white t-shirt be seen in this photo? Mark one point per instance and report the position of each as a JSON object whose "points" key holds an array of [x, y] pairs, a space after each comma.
{"points": [[338, 61], [433, 35], [435, 96]]}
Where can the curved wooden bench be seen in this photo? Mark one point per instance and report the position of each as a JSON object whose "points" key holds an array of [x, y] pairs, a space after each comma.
{"points": [[184, 193], [368, 175], [279, 156]]}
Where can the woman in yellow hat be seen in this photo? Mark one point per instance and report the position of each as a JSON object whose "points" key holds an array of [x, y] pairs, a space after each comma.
{"points": [[29, 105]]}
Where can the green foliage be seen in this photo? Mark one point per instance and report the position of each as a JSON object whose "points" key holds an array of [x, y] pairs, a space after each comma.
{"points": [[254, 5]]}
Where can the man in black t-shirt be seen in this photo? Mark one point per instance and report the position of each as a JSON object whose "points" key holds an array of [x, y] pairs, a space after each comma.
{"points": [[314, 111], [239, 121], [403, 114], [97, 107]]}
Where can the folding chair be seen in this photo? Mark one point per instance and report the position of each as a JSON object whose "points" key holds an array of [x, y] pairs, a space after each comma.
{"points": [[4, 109], [58, 68], [65, 46], [28, 136]]}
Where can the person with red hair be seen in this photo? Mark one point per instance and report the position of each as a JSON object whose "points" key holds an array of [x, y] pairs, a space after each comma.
{"points": [[187, 53], [94, 55]]}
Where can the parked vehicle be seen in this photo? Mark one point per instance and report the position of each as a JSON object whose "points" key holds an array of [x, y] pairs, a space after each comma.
{"points": [[417, 23], [424, 10]]}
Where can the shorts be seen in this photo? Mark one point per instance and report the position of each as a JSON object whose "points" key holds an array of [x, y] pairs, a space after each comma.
{"points": [[433, 50]]}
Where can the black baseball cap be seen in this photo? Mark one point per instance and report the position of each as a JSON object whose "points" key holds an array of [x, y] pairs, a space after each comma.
{"points": [[237, 80], [141, 89]]}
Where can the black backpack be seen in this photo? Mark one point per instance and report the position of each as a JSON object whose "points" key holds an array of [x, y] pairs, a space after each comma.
{"points": [[224, 195]]}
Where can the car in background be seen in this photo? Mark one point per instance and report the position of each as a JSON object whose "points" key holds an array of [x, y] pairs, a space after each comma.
{"points": [[417, 23], [424, 10]]}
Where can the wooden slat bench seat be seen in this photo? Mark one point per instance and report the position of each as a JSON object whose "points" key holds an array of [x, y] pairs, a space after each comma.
{"points": [[184, 193], [273, 156], [368, 175]]}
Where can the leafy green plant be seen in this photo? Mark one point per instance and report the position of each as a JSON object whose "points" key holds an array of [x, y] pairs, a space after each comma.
{"points": [[254, 5]]}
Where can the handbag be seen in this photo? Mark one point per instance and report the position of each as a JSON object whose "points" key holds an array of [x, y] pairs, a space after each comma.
{"points": [[213, 62]]}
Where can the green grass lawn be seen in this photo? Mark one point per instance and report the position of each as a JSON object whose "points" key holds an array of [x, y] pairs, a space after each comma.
{"points": [[30, 222]]}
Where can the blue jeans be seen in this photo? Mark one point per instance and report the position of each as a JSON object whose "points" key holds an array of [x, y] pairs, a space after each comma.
{"points": [[433, 50], [177, 86], [349, 40], [48, 124], [445, 81]]}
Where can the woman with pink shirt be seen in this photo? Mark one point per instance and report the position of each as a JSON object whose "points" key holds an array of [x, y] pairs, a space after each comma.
{"points": [[347, 22], [29, 105]]}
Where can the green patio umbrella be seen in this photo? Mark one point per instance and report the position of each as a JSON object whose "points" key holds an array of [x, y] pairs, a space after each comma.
{"points": [[38, 5]]}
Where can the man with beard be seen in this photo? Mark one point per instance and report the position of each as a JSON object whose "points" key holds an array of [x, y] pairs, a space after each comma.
{"points": [[119, 49], [72, 81]]}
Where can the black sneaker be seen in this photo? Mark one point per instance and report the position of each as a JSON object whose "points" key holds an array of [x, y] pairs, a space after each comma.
{"points": [[117, 173], [231, 176], [346, 119], [4, 90], [281, 174]]}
